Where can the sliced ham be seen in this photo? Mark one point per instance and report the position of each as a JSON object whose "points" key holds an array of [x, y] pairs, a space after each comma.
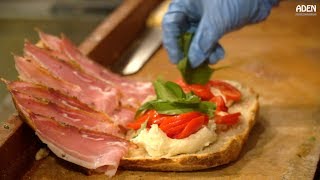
{"points": [[30, 71], [43, 92], [123, 115], [136, 91], [49, 41], [75, 117], [133, 92], [66, 47], [87, 149], [99, 94]]}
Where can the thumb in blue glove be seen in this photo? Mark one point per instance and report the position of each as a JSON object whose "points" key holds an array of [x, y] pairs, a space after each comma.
{"points": [[209, 20]]}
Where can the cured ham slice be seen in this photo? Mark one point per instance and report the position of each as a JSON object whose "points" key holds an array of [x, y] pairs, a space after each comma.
{"points": [[66, 47], [87, 149], [75, 117], [136, 91], [123, 115], [133, 92], [43, 92], [119, 116], [49, 41], [30, 71], [100, 95]]}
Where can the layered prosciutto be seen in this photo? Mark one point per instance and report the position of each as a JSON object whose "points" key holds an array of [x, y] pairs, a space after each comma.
{"points": [[77, 107]]}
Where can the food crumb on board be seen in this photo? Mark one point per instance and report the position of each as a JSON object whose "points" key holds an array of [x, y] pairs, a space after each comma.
{"points": [[42, 153], [6, 126]]}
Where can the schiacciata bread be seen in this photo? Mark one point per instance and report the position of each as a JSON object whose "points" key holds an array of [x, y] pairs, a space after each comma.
{"points": [[226, 149]]}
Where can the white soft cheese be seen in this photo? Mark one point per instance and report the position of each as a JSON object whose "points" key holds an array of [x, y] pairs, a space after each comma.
{"points": [[217, 92], [157, 143]]}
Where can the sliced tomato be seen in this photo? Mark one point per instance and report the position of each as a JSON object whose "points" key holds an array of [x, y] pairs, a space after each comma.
{"points": [[220, 105], [183, 85], [178, 120], [229, 119], [226, 89], [134, 125], [171, 132], [206, 119], [175, 126], [203, 91], [157, 120], [193, 126], [146, 116]]}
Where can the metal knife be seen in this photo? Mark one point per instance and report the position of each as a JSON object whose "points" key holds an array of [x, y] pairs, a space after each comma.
{"points": [[143, 48]]}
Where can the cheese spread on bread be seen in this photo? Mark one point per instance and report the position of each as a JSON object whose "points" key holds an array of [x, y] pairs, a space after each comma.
{"points": [[158, 144]]}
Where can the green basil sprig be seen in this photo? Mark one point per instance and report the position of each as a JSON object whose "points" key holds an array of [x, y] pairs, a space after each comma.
{"points": [[171, 100], [198, 75]]}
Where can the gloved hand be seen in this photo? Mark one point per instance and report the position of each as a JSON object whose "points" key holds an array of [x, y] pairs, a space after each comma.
{"points": [[209, 20]]}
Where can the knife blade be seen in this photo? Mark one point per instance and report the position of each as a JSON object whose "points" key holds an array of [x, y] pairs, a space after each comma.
{"points": [[145, 46], [142, 50]]}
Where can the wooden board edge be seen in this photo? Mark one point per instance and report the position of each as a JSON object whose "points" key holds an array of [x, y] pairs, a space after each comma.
{"points": [[17, 153], [116, 33]]}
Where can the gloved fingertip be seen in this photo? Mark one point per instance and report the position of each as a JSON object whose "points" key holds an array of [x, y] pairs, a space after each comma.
{"points": [[264, 10], [175, 56], [217, 54], [196, 58], [196, 55]]}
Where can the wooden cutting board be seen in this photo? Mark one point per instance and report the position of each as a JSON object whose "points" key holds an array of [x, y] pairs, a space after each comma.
{"points": [[280, 59]]}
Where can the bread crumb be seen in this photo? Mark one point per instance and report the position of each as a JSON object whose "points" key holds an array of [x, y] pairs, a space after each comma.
{"points": [[42, 153]]}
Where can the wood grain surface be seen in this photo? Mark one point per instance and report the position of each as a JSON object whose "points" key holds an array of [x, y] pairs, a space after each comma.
{"points": [[280, 59]]}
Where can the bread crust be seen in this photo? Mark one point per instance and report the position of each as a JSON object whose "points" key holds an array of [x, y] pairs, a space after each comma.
{"points": [[211, 156]]}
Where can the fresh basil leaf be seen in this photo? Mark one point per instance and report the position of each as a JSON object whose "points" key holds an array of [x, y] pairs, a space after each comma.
{"points": [[198, 75], [169, 91], [192, 99], [171, 100], [183, 67], [175, 89], [146, 106], [162, 92], [207, 108], [171, 108], [185, 42], [175, 111]]}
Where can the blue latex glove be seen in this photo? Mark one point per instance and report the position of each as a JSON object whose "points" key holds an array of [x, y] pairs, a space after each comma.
{"points": [[209, 20]]}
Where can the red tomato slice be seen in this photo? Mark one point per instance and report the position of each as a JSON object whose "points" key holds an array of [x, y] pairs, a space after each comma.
{"points": [[193, 126], [206, 119], [157, 120], [221, 106], [134, 125], [203, 91], [183, 85], [226, 89], [172, 125], [171, 132], [229, 119], [178, 119], [146, 116]]}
